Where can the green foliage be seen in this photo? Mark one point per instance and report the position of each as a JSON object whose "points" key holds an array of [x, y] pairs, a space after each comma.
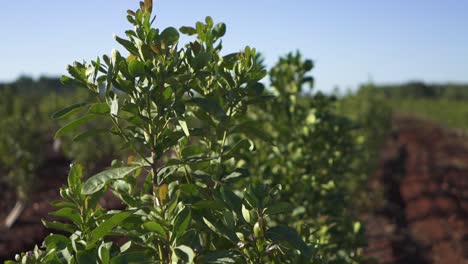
{"points": [[26, 142], [419, 90], [223, 172], [372, 113], [174, 107], [448, 112], [18, 158], [442, 103], [310, 152]]}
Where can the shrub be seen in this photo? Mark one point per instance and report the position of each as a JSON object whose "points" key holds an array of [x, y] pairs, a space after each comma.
{"points": [[372, 114], [310, 152], [175, 108], [21, 138], [224, 170]]}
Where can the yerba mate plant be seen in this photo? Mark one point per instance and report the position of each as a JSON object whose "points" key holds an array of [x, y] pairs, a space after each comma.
{"points": [[312, 153], [20, 140], [181, 109]]}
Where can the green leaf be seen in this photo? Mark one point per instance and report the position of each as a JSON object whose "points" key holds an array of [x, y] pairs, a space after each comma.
{"points": [[104, 228], [208, 204], [136, 68], [188, 31], [237, 173], [209, 21], [69, 214], [278, 208], [189, 189], [184, 127], [185, 253], [356, 227], [201, 60], [130, 257], [254, 195], [74, 177], [59, 226], [220, 229], [231, 199], [200, 28], [222, 257], [211, 225], [190, 237], [242, 144], [78, 71], [167, 94], [182, 222], [86, 257], [99, 109], [98, 181], [56, 241], [287, 234], [63, 204], [256, 89], [231, 59], [72, 126], [155, 227], [69, 110], [219, 30], [170, 35], [127, 44], [167, 171], [124, 85], [90, 133], [308, 65], [191, 151], [104, 252], [252, 129], [65, 80], [247, 215], [208, 105]]}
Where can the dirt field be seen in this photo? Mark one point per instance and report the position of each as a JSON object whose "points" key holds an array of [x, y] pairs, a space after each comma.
{"points": [[423, 176], [28, 230]]}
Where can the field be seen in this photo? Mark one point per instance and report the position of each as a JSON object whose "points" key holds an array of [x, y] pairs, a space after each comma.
{"points": [[448, 112]]}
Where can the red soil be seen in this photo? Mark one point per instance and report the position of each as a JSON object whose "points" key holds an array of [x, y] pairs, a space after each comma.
{"points": [[423, 176]]}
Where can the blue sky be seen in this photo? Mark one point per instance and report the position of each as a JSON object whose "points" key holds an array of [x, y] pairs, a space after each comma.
{"points": [[351, 42]]}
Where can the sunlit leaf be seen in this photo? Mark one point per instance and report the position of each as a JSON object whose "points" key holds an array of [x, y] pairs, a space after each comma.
{"points": [[98, 181], [69, 110], [104, 228], [72, 126]]}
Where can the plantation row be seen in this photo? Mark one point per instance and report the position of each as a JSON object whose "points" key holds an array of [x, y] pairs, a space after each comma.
{"points": [[27, 135], [419, 90], [212, 167], [442, 103]]}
